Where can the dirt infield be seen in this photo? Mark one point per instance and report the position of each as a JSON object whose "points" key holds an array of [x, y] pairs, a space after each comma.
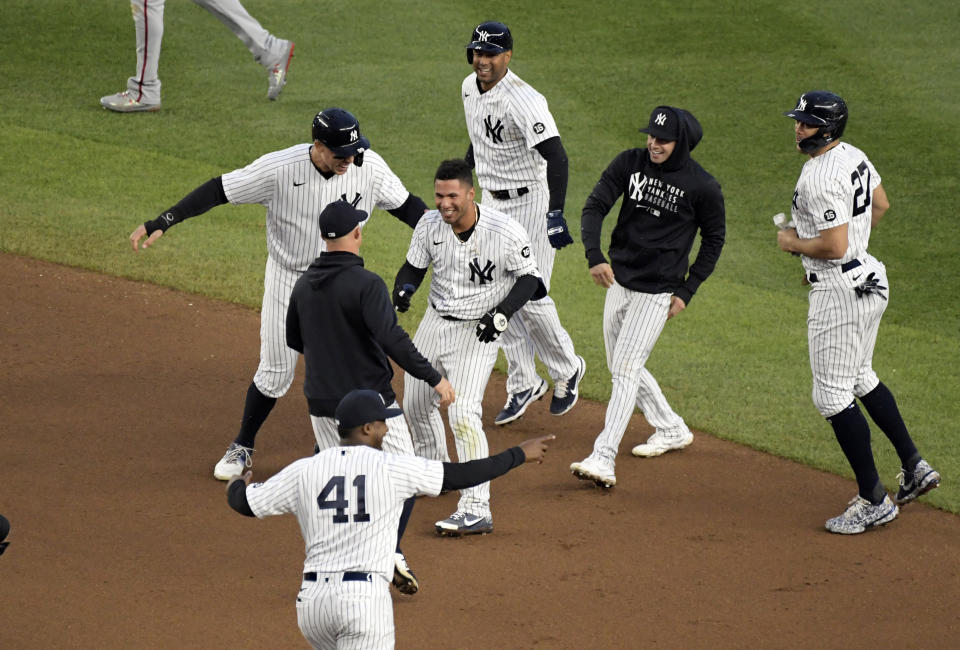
{"points": [[116, 399]]}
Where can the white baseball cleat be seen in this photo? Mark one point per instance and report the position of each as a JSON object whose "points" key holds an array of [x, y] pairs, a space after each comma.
{"points": [[277, 73], [595, 469], [233, 462], [660, 443], [126, 102]]}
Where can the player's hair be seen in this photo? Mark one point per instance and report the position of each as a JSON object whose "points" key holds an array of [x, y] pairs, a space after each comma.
{"points": [[455, 169]]}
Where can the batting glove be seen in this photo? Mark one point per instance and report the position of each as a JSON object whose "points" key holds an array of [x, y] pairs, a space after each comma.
{"points": [[401, 297], [491, 326], [557, 231], [870, 285]]}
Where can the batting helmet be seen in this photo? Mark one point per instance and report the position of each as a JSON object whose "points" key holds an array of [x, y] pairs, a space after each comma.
{"points": [[339, 130], [822, 109], [491, 37]]}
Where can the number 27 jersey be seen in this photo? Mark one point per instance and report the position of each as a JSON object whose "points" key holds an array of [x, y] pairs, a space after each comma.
{"points": [[347, 501], [835, 188]]}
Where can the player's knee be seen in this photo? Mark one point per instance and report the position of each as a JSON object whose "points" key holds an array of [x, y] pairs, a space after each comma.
{"points": [[273, 383], [828, 403]]}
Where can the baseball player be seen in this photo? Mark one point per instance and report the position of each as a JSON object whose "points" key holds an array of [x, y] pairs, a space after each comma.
{"points": [[837, 201], [294, 184], [667, 198], [483, 272], [341, 319], [143, 88], [522, 167], [347, 500]]}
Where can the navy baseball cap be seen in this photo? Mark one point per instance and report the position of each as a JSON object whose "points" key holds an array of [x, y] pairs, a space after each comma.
{"points": [[358, 407], [340, 218], [339, 130], [664, 124]]}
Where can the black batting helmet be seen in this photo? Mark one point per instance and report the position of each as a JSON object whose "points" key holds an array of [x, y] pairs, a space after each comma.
{"points": [[491, 37], [339, 130], [825, 110]]}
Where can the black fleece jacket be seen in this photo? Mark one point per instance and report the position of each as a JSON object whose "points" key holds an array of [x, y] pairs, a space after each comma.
{"points": [[663, 208], [341, 319]]}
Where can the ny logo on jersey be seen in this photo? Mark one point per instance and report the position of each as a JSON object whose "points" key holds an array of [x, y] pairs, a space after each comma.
{"points": [[660, 119], [354, 202], [485, 274], [638, 181], [494, 131]]}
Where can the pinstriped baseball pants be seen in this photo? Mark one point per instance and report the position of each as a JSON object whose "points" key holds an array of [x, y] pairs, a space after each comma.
{"points": [[278, 362], [842, 333], [352, 615], [453, 349], [536, 327], [632, 322]]}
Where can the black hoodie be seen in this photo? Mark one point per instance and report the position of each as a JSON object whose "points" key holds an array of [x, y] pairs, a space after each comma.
{"points": [[663, 207], [341, 319]]}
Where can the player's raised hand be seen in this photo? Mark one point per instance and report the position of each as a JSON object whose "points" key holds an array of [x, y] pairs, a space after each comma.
{"points": [[140, 233], [445, 390], [536, 448], [557, 231]]}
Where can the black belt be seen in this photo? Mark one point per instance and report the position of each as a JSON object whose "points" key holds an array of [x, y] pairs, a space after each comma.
{"points": [[453, 318], [358, 576], [846, 266], [503, 195]]}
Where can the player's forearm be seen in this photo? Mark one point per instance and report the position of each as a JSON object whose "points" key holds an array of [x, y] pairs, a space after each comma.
{"points": [[409, 274], [522, 291], [459, 476], [207, 196], [557, 170]]}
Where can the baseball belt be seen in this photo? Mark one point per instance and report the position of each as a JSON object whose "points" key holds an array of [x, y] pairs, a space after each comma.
{"points": [[846, 266], [348, 576], [503, 195]]}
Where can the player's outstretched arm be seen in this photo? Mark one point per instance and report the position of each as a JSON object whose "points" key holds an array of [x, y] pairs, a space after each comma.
{"points": [[458, 476], [205, 197]]}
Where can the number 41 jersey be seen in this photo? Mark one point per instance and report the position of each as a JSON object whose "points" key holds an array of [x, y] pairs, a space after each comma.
{"points": [[347, 501], [835, 188]]}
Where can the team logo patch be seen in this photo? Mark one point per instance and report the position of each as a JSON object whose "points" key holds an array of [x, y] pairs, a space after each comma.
{"points": [[525, 251], [483, 274], [539, 128], [829, 215]]}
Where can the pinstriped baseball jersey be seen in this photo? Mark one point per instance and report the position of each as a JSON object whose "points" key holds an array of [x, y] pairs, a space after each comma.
{"points": [[294, 193], [347, 501], [504, 124], [835, 188], [471, 277]]}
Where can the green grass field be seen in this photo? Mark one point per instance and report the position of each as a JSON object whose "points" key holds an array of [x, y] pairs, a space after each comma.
{"points": [[77, 179]]}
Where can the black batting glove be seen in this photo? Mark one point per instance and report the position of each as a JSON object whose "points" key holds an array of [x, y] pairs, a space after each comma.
{"points": [[401, 297], [557, 231], [491, 325]]}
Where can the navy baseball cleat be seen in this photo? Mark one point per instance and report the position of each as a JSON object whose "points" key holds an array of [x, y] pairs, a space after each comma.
{"points": [[913, 484], [565, 392], [517, 403]]}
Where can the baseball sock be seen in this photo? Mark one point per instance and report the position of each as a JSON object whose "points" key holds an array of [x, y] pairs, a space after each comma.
{"points": [[404, 518], [255, 410], [853, 434], [882, 407]]}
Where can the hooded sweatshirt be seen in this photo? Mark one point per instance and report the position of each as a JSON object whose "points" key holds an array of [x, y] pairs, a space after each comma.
{"points": [[341, 319], [663, 208]]}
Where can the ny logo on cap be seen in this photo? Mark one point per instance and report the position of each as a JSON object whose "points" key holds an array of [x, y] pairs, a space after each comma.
{"points": [[353, 135], [802, 104], [661, 119]]}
